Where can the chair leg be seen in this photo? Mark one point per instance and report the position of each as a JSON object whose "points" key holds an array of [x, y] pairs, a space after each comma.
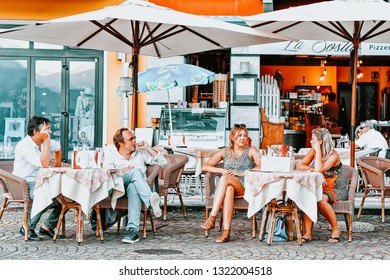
{"points": [[181, 202], [348, 223], [80, 225], [383, 205], [290, 226], [63, 227], [297, 225], [206, 232], [145, 221], [271, 227], [5, 201], [119, 214], [264, 224], [362, 203], [57, 229], [152, 222], [165, 207], [99, 226], [254, 226], [26, 225]]}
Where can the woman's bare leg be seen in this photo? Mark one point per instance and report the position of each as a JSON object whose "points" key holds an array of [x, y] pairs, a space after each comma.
{"points": [[308, 224], [329, 214], [228, 206], [220, 192]]}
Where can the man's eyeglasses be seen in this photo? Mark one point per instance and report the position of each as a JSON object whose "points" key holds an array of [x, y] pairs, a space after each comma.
{"points": [[132, 138], [239, 125]]}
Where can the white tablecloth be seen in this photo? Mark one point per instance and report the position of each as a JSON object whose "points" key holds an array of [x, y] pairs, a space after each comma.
{"points": [[85, 186], [304, 188]]}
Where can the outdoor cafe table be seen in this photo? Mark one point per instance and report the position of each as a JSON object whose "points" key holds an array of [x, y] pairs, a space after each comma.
{"points": [[81, 188], [302, 187]]}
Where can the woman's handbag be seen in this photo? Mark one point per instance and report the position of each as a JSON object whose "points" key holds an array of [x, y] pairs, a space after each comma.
{"points": [[280, 229]]}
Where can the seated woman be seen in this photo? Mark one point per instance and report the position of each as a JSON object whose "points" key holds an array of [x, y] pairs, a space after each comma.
{"points": [[323, 158], [237, 158]]}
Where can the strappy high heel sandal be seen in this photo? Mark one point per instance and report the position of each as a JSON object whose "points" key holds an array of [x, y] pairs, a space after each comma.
{"points": [[224, 237], [210, 223]]}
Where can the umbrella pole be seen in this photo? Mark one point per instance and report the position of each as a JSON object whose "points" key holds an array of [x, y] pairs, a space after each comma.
{"points": [[353, 104], [134, 97], [170, 114]]}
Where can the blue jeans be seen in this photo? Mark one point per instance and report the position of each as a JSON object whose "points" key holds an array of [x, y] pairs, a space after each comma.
{"points": [[51, 221], [137, 190]]}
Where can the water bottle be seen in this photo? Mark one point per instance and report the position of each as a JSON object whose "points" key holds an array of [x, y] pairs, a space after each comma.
{"points": [[346, 143], [291, 155]]}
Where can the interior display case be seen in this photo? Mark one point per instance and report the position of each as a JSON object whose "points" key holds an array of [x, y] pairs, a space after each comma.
{"points": [[193, 127]]}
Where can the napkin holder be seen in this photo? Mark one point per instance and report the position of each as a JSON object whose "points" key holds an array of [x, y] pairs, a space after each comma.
{"points": [[276, 164]]}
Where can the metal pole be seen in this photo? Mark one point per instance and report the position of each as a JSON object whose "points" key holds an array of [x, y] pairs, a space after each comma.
{"points": [[124, 95]]}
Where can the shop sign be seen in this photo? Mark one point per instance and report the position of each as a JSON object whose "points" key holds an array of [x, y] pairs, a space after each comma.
{"points": [[319, 48]]}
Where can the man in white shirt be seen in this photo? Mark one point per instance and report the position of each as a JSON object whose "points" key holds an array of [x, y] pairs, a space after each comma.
{"points": [[132, 159], [31, 154], [368, 138]]}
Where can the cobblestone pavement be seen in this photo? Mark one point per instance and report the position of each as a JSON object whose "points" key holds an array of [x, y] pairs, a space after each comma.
{"points": [[181, 238]]}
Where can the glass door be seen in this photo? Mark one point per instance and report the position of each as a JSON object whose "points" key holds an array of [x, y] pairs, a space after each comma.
{"points": [[64, 92]]}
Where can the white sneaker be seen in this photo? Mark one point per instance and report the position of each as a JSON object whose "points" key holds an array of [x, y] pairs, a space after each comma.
{"points": [[155, 204]]}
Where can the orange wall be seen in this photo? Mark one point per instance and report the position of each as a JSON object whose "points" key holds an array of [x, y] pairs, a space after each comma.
{"points": [[215, 7], [49, 9]]}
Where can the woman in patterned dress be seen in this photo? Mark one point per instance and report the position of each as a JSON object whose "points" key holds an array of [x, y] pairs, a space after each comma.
{"points": [[323, 158], [237, 158]]}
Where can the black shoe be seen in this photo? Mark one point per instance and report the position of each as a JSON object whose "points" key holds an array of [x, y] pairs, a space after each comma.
{"points": [[32, 236], [49, 232], [131, 236]]}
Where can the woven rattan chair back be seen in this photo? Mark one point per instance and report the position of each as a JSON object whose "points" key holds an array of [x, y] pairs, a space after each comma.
{"points": [[346, 207], [373, 170], [170, 180]]}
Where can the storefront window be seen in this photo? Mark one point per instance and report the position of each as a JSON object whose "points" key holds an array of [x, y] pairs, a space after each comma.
{"points": [[13, 104]]}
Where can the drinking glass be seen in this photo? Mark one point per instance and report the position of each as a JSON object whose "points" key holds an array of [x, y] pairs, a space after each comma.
{"points": [[262, 153]]}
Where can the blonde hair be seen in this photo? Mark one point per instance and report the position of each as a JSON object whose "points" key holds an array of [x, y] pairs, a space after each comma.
{"points": [[233, 135], [327, 143]]}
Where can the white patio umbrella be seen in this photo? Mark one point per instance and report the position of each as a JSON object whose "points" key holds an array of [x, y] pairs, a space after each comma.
{"points": [[355, 21], [141, 27]]}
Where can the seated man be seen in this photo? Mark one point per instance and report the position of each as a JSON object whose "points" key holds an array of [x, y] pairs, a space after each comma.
{"points": [[367, 138], [131, 158], [31, 154]]}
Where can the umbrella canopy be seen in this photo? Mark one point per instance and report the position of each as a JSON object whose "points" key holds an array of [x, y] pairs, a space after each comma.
{"points": [[173, 75], [355, 21], [141, 27]]}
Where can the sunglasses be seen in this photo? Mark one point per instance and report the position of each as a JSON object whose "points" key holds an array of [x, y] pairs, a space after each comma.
{"points": [[239, 125]]}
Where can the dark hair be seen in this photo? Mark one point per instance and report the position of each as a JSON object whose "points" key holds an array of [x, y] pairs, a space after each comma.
{"points": [[118, 137], [332, 96], [35, 124]]}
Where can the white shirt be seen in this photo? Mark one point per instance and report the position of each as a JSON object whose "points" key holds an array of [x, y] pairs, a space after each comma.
{"points": [[373, 139], [28, 158], [139, 159]]}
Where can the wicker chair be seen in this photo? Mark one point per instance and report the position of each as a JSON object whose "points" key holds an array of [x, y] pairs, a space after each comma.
{"points": [[15, 190], [170, 179], [240, 203], [122, 205], [373, 171], [273, 133], [347, 207]]}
